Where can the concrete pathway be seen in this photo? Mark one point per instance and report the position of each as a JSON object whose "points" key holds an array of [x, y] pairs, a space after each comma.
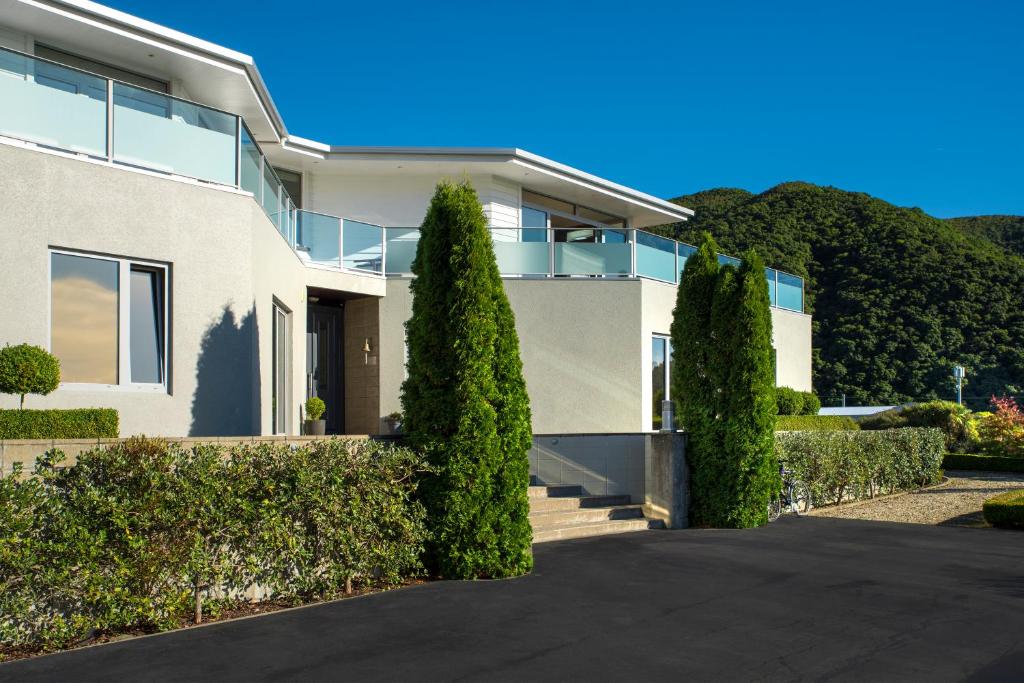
{"points": [[802, 599]]}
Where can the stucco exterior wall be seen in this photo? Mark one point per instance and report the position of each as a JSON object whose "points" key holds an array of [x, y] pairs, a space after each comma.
{"points": [[579, 344], [227, 264], [791, 333]]}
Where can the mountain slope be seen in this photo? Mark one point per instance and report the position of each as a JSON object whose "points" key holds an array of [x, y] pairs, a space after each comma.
{"points": [[898, 296], [1006, 231]]}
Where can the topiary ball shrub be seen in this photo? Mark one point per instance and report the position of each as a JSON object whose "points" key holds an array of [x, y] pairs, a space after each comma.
{"points": [[27, 369], [789, 401], [315, 408], [811, 403]]}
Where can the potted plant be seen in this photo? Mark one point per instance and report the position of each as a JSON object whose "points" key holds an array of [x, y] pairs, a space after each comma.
{"points": [[315, 408], [394, 422]]}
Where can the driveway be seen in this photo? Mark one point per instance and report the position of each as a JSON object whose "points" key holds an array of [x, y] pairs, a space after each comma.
{"points": [[803, 599]]}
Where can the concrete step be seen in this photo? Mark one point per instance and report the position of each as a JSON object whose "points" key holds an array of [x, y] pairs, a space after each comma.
{"points": [[560, 491], [539, 505], [586, 529], [548, 520]]}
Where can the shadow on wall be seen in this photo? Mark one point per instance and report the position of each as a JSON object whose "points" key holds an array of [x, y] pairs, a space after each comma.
{"points": [[227, 398]]}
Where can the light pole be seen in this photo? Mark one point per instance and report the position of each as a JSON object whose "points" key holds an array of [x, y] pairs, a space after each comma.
{"points": [[958, 378]]}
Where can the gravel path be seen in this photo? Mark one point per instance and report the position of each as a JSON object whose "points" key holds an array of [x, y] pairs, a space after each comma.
{"points": [[957, 502]]}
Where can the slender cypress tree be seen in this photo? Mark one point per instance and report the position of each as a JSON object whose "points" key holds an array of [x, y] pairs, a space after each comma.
{"points": [[723, 382], [464, 401], [749, 398], [692, 386]]}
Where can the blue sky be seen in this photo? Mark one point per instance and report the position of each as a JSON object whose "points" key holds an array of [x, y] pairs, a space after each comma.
{"points": [[919, 103]]}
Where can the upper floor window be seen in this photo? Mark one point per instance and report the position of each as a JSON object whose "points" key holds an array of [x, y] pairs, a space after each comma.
{"points": [[108, 320], [101, 69], [292, 182], [569, 222]]}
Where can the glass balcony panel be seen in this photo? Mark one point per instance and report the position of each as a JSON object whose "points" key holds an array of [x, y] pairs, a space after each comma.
{"points": [[156, 131], [52, 105], [401, 250], [592, 258], [271, 194], [318, 238], [250, 171], [685, 251], [769, 274], [655, 257], [724, 260], [362, 246], [522, 258], [791, 292]]}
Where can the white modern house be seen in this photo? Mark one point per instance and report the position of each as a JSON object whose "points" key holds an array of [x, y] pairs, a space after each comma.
{"points": [[203, 270]]}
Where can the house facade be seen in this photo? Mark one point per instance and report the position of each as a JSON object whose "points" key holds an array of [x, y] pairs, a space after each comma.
{"points": [[202, 270]]}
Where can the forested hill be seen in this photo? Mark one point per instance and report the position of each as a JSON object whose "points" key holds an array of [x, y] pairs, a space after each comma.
{"points": [[1006, 231], [898, 296]]}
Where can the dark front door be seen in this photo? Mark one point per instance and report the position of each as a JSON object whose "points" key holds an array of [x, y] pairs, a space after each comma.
{"points": [[325, 362]]}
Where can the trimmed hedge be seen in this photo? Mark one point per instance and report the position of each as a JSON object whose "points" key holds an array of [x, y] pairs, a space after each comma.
{"points": [[1005, 510], [851, 465], [988, 463], [953, 419], [77, 423], [803, 423], [146, 535]]}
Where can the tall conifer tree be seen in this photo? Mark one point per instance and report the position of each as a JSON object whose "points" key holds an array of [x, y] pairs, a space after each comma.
{"points": [[465, 399]]}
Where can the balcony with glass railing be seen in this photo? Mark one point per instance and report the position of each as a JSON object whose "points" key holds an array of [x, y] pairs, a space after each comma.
{"points": [[597, 253], [59, 107], [63, 108]]}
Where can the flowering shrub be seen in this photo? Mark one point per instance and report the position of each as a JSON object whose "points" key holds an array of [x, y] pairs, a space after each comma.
{"points": [[146, 534], [1002, 432]]}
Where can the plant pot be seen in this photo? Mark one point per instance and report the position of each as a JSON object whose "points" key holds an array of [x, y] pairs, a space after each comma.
{"points": [[394, 426], [315, 427]]}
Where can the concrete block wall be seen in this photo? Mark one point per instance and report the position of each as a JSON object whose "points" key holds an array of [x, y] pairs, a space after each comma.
{"points": [[602, 464]]}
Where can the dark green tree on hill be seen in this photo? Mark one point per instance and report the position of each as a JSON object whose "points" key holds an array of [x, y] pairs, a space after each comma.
{"points": [[465, 403]]}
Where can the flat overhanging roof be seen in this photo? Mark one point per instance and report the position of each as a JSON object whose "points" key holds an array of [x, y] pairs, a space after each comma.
{"points": [[229, 80]]}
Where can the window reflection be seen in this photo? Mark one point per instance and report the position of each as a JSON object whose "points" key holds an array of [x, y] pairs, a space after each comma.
{"points": [[84, 319]]}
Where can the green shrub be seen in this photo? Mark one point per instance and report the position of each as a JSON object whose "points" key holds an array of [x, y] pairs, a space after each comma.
{"points": [[146, 535], [1005, 510], [790, 401], [812, 404], [76, 423], [27, 369], [800, 423], [988, 463], [315, 408], [953, 419], [464, 403], [844, 465]]}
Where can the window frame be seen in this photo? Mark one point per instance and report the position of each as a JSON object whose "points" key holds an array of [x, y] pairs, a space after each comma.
{"points": [[280, 404], [669, 352], [124, 360]]}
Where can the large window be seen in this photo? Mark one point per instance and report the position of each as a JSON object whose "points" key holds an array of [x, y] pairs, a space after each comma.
{"points": [[282, 363], [577, 223], [108, 320], [661, 362]]}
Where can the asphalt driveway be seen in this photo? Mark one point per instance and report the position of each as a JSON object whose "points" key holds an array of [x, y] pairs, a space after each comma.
{"points": [[803, 599]]}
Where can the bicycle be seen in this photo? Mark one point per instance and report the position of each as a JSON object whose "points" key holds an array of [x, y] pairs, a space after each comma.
{"points": [[794, 494]]}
